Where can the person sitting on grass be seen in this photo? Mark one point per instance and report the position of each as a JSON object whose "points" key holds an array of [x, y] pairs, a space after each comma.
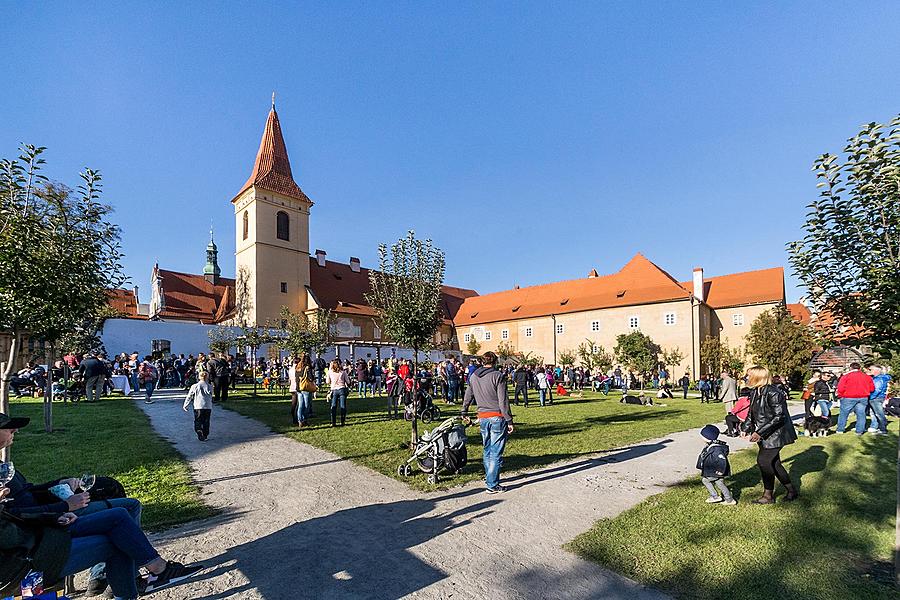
{"points": [[714, 467]]}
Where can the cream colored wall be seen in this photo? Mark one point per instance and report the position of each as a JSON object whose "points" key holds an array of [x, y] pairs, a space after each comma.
{"points": [[577, 328], [268, 260], [724, 322]]}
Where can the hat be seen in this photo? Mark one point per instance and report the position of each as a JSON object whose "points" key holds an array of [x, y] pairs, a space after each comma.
{"points": [[13, 423], [710, 432]]}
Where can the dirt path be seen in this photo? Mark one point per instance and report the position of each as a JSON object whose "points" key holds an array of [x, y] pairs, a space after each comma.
{"points": [[299, 522]]}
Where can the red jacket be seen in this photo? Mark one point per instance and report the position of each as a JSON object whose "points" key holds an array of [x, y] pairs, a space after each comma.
{"points": [[855, 384]]}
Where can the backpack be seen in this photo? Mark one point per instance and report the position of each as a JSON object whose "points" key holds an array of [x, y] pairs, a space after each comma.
{"points": [[107, 488]]}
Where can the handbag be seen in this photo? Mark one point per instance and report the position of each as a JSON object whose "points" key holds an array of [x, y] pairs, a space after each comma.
{"points": [[306, 384]]}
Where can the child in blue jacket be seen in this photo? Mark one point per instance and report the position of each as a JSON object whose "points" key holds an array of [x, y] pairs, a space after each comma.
{"points": [[714, 467]]}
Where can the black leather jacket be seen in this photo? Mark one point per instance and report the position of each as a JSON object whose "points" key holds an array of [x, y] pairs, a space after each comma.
{"points": [[769, 418]]}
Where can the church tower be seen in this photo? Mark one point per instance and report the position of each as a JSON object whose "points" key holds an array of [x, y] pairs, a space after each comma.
{"points": [[271, 215]]}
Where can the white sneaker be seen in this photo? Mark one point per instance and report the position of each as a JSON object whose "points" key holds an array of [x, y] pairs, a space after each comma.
{"points": [[806, 433], [713, 500], [731, 502], [873, 429]]}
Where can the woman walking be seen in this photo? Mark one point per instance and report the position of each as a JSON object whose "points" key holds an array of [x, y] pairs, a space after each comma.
{"points": [[292, 388], [769, 425], [147, 379], [306, 387], [339, 383]]}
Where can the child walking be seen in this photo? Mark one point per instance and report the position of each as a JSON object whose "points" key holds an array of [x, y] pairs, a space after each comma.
{"points": [[200, 397], [714, 467]]}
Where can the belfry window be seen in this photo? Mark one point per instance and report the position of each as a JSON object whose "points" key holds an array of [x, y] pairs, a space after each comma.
{"points": [[282, 224]]}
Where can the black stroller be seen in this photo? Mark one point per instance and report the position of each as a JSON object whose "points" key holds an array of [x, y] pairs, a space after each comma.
{"points": [[443, 450], [428, 411]]}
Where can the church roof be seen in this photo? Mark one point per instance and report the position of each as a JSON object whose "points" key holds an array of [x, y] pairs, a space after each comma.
{"points": [[272, 169], [640, 281], [337, 287], [187, 296]]}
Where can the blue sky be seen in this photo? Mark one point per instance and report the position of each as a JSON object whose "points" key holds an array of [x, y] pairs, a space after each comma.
{"points": [[531, 141]]}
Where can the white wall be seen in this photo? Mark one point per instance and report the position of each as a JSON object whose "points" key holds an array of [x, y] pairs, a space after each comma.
{"points": [[134, 335]]}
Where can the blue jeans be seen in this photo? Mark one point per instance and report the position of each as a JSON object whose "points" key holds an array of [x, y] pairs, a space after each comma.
{"points": [[303, 408], [361, 389], [825, 405], [149, 386], [856, 405], [110, 536], [131, 505], [879, 421], [339, 398], [542, 394], [135, 386], [493, 436]]}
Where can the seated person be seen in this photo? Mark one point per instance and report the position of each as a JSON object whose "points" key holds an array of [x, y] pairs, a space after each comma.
{"points": [[738, 413], [665, 391], [62, 544], [560, 390]]}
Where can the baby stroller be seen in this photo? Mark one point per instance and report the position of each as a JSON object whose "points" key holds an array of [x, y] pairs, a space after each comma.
{"points": [[443, 450], [428, 411]]}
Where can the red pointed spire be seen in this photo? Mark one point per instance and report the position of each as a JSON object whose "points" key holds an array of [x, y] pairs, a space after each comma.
{"points": [[272, 169]]}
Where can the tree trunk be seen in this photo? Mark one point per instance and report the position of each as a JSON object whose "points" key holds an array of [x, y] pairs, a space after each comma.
{"points": [[897, 526], [6, 369], [48, 393], [415, 400], [253, 369]]}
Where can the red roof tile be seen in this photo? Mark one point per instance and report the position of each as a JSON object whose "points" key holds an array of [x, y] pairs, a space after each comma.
{"points": [[738, 289], [187, 296], [337, 287], [800, 313], [124, 303], [272, 170], [638, 282]]}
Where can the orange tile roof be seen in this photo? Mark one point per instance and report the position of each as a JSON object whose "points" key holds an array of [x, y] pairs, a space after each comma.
{"points": [[187, 296], [738, 289], [272, 169], [638, 282], [124, 303], [800, 313], [337, 287]]}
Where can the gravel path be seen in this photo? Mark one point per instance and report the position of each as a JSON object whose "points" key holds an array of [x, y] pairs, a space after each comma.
{"points": [[299, 522]]}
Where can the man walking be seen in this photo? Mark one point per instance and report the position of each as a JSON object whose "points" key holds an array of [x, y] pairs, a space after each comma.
{"points": [[487, 386], [94, 372], [520, 379], [221, 376], [877, 399], [854, 389], [728, 391], [685, 384]]}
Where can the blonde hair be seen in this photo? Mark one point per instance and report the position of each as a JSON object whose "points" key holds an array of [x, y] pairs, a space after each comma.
{"points": [[758, 376], [336, 365]]}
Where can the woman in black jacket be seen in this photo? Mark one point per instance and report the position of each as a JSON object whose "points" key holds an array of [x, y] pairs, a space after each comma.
{"points": [[769, 424]]}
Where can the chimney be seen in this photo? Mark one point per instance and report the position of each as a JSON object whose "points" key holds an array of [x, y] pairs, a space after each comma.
{"points": [[137, 300], [593, 274], [320, 257], [354, 264], [698, 284]]}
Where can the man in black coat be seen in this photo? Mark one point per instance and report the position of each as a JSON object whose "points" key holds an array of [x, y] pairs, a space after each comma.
{"points": [[520, 379], [220, 373], [94, 371]]}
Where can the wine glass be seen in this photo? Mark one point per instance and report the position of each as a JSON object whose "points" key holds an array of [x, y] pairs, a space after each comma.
{"points": [[7, 472], [87, 481]]}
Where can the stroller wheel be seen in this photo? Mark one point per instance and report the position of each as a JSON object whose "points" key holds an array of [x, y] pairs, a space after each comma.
{"points": [[406, 470], [433, 479], [427, 415]]}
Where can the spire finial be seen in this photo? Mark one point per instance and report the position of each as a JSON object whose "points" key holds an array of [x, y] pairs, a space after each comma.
{"points": [[273, 100]]}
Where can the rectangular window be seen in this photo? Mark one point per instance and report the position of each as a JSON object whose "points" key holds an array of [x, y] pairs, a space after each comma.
{"points": [[634, 322], [377, 333], [284, 287], [504, 334], [595, 325], [669, 318], [487, 336], [560, 329], [737, 319], [528, 332], [467, 337]]}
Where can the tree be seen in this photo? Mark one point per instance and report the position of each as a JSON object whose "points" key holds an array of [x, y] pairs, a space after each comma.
{"points": [[567, 358], [59, 254], [671, 358], [406, 294], [254, 337], [849, 259], [304, 333], [507, 353], [530, 359], [638, 353], [221, 339], [717, 355], [593, 356], [472, 346], [780, 343]]}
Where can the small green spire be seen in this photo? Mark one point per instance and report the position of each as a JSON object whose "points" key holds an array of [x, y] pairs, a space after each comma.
{"points": [[212, 259]]}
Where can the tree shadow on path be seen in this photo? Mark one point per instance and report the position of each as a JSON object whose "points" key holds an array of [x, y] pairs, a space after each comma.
{"points": [[360, 552]]}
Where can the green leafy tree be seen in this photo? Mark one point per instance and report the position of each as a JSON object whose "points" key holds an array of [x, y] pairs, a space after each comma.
{"points": [[406, 294], [254, 338], [638, 353], [567, 358], [717, 355], [530, 359], [507, 353], [780, 343], [671, 358], [59, 254], [593, 356], [304, 333], [849, 257], [222, 339], [473, 347]]}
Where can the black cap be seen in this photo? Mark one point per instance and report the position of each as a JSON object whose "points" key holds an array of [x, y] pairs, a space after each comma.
{"points": [[13, 423]]}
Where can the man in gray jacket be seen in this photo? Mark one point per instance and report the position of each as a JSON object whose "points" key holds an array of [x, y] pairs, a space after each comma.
{"points": [[487, 387], [728, 391]]}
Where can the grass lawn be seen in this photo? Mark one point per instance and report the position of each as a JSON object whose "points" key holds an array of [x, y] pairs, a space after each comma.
{"points": [[569, 428], [833, 543], [112, 437]]}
